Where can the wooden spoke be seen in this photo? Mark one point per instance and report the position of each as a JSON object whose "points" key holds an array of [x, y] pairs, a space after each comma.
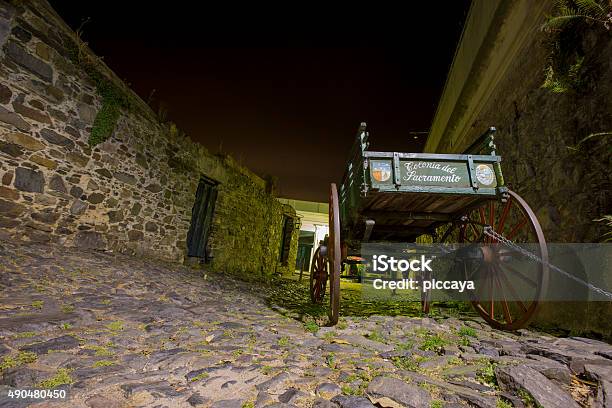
{"points": [[516, 229], [503, 300], [483, 218], [476, 234], [512, 291], [502, 219], [318, 276], [491, 301], [520, 274], [491, 218]]}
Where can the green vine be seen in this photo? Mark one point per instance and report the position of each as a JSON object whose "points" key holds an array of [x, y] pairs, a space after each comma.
{"points": [[565, 70], [114, 99]]}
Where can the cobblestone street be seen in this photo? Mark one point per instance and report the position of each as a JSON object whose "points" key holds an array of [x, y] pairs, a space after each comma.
{"points": [[117, 331]]}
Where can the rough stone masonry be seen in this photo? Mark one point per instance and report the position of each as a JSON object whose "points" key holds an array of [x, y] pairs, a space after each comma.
{"points": [[133, 193]]}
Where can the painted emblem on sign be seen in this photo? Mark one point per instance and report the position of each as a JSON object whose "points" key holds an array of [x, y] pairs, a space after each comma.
{"points": [[381, 171], [485, 174]]}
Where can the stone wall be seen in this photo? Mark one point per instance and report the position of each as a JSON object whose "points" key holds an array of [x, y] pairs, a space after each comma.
{"points": [[538, 131], [132, 193]]}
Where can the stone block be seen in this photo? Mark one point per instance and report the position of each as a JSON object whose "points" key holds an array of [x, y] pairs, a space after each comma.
{"points": [[96, 198], [11, 149], [7, 178], [52, 136], [29, 180], [9, 193], [47, 216], [89, 240], [11, 209], [31, 113], [5, 94], [76, 191], [134, 235], [38, 67], [78, 207], [125, 177], [13, 119], [115, 216], [57, 184], [104, 173], [25, 141], [43, 161], [78, 159]]}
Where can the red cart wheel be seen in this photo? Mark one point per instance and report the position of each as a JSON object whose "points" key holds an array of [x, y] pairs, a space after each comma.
{"points": [[333, 256], [318, 276], [499, 300], [425, 296]]}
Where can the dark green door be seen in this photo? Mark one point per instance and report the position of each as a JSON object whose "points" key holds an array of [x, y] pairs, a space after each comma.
{"points": [[201, 219]]}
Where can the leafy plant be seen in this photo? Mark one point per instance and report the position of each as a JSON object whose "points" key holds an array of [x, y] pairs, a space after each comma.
{"points": [[503, 404], [466, 331], [330, 360], [376, 336], [433, 342], [607, 237], [115, 326], [25, 335], [113, 98], [103, 363], [24, 357], [405, 363], [67, 308], [594, 11], [566, 58], [311, 326], [486, 375], [60, 378], [199, 377], [38, 304]]}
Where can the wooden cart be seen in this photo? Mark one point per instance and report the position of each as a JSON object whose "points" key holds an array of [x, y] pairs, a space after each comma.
{"points": [[462, 198]]}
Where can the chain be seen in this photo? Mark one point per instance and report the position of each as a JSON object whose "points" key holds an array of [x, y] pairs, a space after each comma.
{"points": [[488, 230]]}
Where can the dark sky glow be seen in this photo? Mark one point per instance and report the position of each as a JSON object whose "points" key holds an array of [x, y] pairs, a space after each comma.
{"points": [[282, 90]]}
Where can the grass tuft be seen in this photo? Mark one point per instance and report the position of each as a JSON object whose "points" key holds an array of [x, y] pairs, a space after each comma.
{"points": [[62, 377]]}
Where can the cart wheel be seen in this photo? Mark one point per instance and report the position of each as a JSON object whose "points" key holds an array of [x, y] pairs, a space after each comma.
{"points": [[318, 275], [333, 255], [425, 296], [506, 306]]}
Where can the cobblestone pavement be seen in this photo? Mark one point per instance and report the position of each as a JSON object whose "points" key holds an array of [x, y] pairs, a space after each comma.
{"points": [[116, 331]]}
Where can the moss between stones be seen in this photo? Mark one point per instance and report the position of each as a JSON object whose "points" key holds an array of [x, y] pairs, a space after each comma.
{"points": [[62, 377], [113, 98]]}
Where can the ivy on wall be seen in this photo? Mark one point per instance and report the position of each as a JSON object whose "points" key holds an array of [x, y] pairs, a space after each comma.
{"points": [[565, 28], [114, 99]]}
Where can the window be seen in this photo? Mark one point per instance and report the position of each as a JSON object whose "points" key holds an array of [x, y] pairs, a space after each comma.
{"points": [[288, 224]]}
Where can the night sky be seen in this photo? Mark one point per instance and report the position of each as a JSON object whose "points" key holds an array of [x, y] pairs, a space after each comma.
{"points": [[282, 88]]}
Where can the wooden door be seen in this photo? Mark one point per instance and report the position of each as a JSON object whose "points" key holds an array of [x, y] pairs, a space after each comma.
{"points": [[201, 219]]}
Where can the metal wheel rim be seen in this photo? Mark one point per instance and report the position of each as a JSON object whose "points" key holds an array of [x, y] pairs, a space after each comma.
{"points": [[497, 273], [333, 255]]}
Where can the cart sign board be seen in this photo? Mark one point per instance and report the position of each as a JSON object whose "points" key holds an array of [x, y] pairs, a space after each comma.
{"points": [[434, 173], [431, 173]]}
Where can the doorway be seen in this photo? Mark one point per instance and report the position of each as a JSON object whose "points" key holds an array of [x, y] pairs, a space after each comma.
{"points": [[201, 219]]}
